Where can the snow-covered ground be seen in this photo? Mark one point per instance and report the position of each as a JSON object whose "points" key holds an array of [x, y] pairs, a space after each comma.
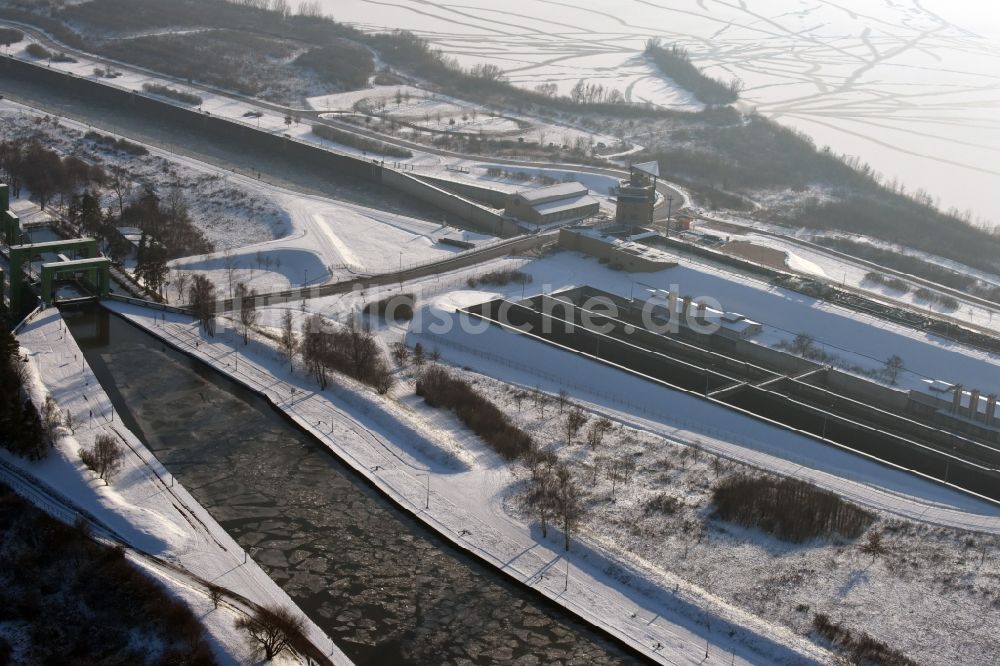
{"points": [[621, 584], [745, 568], [396, 441], [144, 504], [443, 113], [330, 240]]}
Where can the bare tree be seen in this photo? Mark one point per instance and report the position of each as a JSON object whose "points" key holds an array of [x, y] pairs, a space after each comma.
{"points": [[575, 420], [562, 399], [202, 298], [874, 545], [105, 458], [541, 494], [246, 299], [893, 366], [272, 629], [289, 343], [567, 502], [418, 355], [363, 349], [400, 353], [595, 435], [231, 263], [51, 418], [619, 471], [215, 594], [121, 185], [315, 348], [180, 281]]}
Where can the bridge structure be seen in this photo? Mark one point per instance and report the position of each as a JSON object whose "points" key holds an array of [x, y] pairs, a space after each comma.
{"points": [[10, 224], [78, 256]]}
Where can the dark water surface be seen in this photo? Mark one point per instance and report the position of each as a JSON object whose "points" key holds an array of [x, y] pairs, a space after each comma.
{"points": [[385, 588]]}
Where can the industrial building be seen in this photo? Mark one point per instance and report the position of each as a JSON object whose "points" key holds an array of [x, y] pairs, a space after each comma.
{"points": [[565, 202], [637, 196]]}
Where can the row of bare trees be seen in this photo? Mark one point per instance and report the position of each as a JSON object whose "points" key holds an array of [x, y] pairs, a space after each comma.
{"points": [[45, 173], [554, 494], [352, 350]]}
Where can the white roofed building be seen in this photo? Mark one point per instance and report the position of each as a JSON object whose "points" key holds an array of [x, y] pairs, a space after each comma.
{"points": [[562, 203]]}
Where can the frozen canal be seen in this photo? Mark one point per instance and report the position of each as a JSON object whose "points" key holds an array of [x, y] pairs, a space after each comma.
{"points": [[384, 588]]}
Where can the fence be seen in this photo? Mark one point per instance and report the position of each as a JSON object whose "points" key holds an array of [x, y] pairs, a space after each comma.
{"points": [[153, 305]]}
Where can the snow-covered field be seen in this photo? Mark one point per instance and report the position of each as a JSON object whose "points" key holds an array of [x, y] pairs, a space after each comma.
{"points": [[442, 113], [330, 240], [144, 504], [909, 86], [930, 571]]}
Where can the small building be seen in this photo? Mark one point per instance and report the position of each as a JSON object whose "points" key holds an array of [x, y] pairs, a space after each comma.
{"points": [[565, 202], [637, 196], [682, 223]]}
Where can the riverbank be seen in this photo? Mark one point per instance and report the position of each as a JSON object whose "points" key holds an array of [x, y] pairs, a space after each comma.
{"points": [[144, 506], [464, 504]]}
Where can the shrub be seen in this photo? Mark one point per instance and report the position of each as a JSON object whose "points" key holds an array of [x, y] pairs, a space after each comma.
{"points": [[351, 350], [439, 389], [38, 51], [172, 93], [893, 283], [787, 508], [859, 647], [500, 278], [122, 145], [661, 503]]}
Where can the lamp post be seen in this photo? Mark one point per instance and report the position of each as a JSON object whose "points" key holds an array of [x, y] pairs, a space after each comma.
{"points": [[670, 208]]}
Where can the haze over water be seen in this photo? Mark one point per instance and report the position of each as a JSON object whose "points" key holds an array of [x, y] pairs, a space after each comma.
{"points": [[910, 86]]}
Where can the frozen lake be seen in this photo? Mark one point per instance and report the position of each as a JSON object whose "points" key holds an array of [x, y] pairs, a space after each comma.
{"points": [[910, 86]]}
